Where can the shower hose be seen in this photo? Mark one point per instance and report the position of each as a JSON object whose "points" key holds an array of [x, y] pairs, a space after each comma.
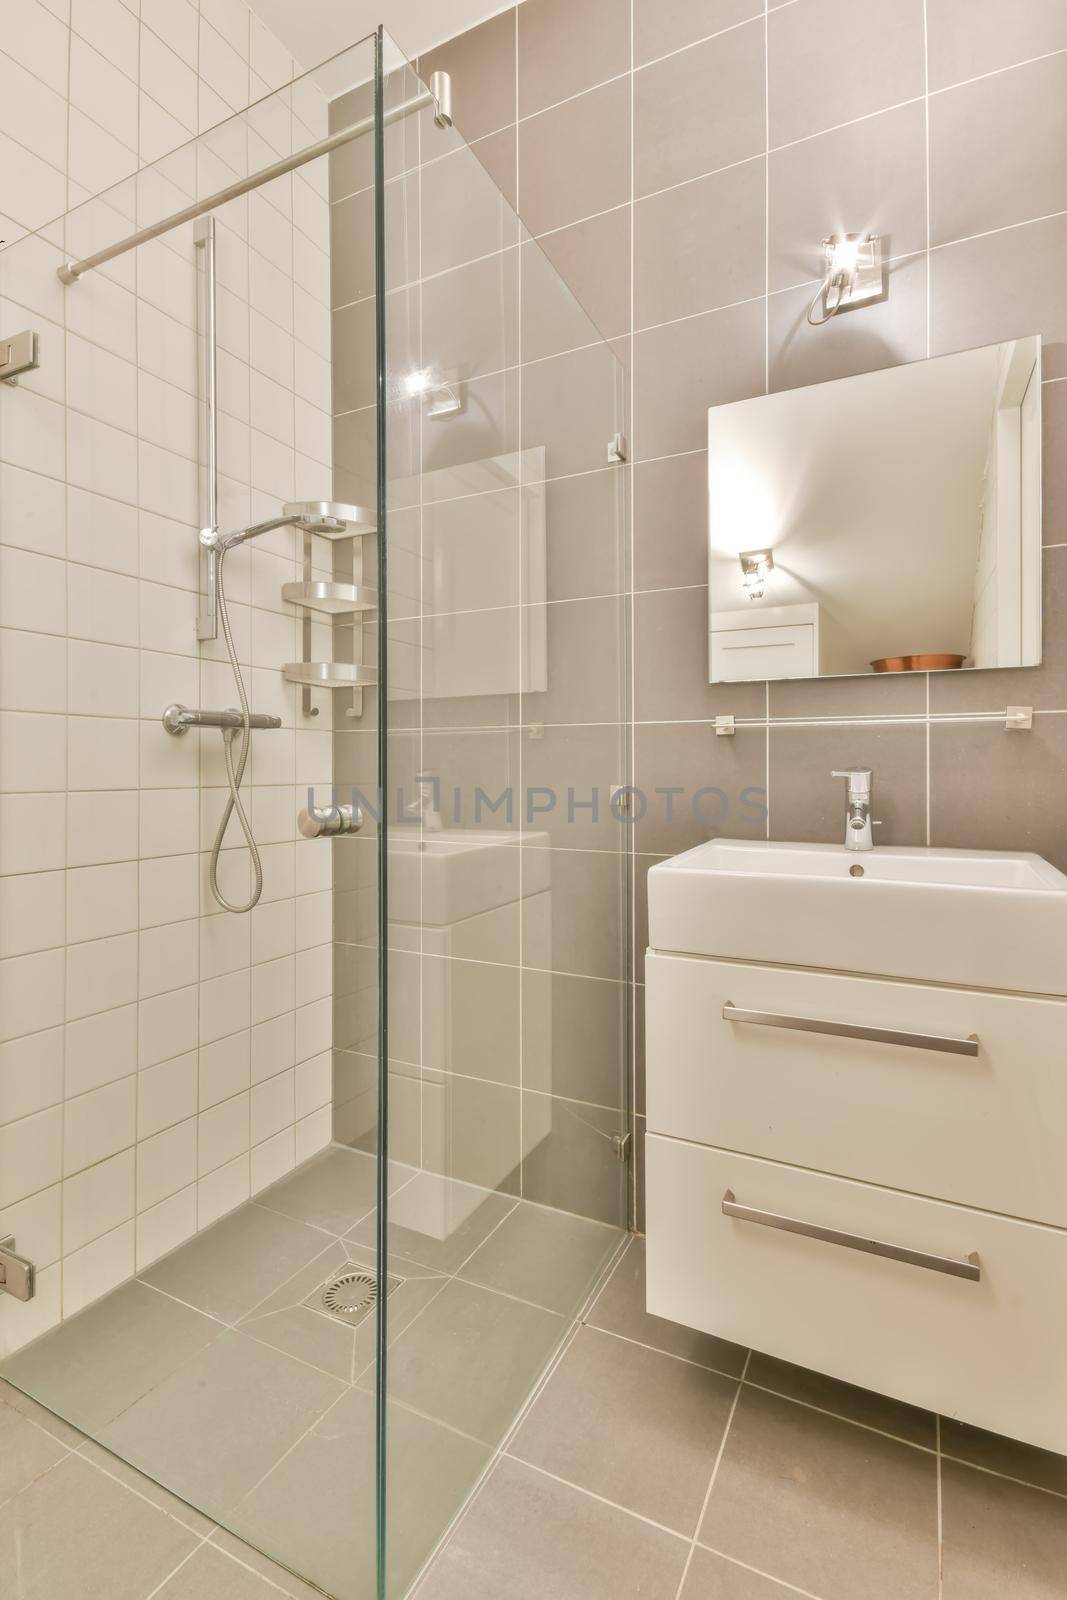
{"points": [[234, 775]]}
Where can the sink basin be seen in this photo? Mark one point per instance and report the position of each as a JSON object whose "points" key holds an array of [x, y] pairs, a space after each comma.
{"points": [[980, 918], [443, 878]]}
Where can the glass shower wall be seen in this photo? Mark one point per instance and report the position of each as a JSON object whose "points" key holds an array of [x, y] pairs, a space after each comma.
{"points": [[166, 1109], [507, 850]]}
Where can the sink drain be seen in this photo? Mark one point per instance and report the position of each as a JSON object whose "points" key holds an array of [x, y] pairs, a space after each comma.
{"points": [[349, 1297]]}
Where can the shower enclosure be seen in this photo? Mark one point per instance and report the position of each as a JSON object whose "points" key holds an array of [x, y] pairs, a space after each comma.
{"points": [[313, 1191]]}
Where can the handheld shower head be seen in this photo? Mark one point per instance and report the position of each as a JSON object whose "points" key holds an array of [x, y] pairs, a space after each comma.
{"points": [[328, 517]]}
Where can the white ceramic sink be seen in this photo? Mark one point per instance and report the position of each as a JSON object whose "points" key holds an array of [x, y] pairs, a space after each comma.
{"points": [[981, 918], [461, 872]]}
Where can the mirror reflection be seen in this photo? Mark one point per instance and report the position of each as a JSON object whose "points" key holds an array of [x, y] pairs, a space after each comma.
{"points": [[886, 522]]}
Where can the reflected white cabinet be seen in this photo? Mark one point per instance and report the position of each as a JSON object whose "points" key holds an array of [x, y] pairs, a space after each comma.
{"points": [[765, 642], [889, 1210]]}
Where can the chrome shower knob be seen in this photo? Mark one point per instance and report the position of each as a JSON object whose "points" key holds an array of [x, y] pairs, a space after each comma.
{"points": [[327, 822]]}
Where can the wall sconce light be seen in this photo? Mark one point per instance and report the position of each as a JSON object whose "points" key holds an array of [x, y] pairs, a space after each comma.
{"points": [[755, 565], [442, 398], [854, 275]]}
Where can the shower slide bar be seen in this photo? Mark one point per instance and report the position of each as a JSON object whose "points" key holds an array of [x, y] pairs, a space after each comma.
{"points": [[438, 95]]}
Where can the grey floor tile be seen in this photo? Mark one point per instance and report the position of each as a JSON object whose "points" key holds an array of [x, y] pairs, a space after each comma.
{"points": [[96, 1364], [32, 1409], [247, 1555], [843, 1399], [638, 1427], [620, 1308], [286, 1323], [828, 1506], [26, 1452], [527, 1537], [549, 1257], [437, 1221], [471, 1359], [232, 1266], [76, 1534], [322, 1496], [332, 1191], [712, 1577], [218, 1425], [1001, 1538], [209, 1574], [147, 1487], [1042, 1468]]}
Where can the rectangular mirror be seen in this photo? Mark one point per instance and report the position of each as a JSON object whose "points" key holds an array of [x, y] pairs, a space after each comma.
{"points": [[882, 523]]}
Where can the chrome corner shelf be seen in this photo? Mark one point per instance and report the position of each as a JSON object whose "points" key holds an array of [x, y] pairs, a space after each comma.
{"points": [[331, 599], [330, 674]]}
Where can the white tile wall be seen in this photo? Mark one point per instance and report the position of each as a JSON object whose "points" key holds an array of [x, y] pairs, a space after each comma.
{"points": [[159, 1061]]}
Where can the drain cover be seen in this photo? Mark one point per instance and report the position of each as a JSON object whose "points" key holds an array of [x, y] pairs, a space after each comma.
{"points": [[350, 1296]]}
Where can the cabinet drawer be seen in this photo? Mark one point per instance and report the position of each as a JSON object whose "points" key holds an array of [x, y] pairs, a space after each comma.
{"points": [[989, 1351], [741, 654], [977, 1129]]}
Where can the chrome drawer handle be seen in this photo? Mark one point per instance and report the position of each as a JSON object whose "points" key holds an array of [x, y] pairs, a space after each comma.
{"points": [[854, 1030], [970, 1268]]}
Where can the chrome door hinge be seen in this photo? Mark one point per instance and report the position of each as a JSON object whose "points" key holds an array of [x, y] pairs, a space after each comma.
{"points": [[17, 1275], [18, 354], [621, 1143]]}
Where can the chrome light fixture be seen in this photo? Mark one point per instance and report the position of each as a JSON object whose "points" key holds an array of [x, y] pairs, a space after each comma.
{"points": [[442, 399], [755, 565], [854, 275]]}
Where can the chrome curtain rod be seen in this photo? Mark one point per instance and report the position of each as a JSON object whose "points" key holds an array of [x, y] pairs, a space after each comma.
{"points": [[438, 95]]}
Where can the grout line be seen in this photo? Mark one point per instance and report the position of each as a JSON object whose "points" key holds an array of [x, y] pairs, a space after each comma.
{"points": [[782, 1583], [654, 1349], [694, 44], [591, 1494], [714, 1474]]}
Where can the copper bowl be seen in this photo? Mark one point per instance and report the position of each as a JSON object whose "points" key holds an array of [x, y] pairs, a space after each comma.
{"points": [[928, 663]]}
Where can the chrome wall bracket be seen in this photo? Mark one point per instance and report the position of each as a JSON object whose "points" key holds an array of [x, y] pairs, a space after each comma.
{"points": [[18, 354], [17, 1275], [617, 450], [621, 1143]]}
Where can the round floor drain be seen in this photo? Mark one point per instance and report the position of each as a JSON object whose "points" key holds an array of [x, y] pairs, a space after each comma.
{"points": [[350, 1294]]}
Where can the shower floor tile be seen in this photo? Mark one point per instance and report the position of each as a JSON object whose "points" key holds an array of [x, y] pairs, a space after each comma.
{"points": [[470, 1359], [99, 1362], [331, 1192], [236, 1263], [217, 1425], [438, 1222], [211, 1379], [323, 1491], [548, 1257]]}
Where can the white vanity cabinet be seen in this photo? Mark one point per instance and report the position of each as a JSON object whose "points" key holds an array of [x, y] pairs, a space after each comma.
{"points": [[881, 1196]]}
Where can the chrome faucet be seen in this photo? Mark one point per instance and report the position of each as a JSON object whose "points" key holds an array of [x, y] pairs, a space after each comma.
{"points": [[858, 822]]}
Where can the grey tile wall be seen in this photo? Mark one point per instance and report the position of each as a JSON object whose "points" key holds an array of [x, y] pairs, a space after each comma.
{"points": [[679, 162]]}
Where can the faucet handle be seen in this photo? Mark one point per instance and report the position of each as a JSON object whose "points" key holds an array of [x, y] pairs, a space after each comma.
{"points": [[853, 772]]}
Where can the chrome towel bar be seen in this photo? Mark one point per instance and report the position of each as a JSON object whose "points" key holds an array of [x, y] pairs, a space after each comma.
{"points": [[947, 1043], [969, 1268]]}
